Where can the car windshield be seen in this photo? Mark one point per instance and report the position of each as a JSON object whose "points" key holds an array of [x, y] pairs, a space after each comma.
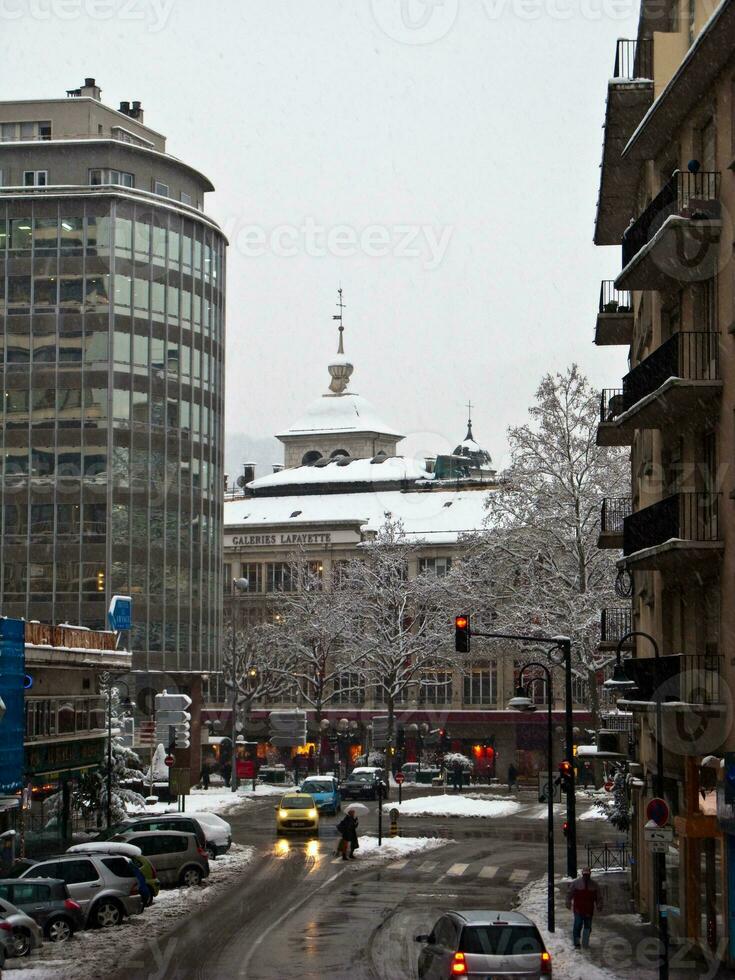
{"points": [[362, 777], [501, 940], [317, 787], [296, 803]]}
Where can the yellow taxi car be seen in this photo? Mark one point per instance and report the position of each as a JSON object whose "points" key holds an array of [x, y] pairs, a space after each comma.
{"points": [[297, 811]]}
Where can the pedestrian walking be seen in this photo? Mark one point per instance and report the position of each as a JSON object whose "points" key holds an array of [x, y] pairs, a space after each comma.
{"points": [[205, 775], [583, 898], [457, 775], [348, 829], [512, 777]]}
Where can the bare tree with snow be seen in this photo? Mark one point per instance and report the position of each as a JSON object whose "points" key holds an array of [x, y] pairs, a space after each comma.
{"points": [[399, 625], [538, 567], [252, 662]]}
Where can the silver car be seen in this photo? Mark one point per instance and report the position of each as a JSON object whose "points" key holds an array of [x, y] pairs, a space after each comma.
{"points": [[483, 944], [25, 935], [105, 886], [177, 857]]}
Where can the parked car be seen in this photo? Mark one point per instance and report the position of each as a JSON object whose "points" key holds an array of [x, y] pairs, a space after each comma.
{"points": [[325, 791], [380, 774], [180, 822], [105, 886], [483, 943], [361, 786], [218, 833], [297, 811], [24, 932], [177, 857], [48, 903], [129, 851]]}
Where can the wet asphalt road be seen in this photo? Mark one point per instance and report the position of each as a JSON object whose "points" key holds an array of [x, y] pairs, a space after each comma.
{"points": [[296, 913]]}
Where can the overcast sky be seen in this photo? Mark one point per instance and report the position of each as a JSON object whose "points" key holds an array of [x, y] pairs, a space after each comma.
{"points": [[439, 160]]}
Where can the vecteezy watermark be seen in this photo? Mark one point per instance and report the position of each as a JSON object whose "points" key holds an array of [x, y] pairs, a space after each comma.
{"points": [[415, 21], [153, 13], [424, 242]]}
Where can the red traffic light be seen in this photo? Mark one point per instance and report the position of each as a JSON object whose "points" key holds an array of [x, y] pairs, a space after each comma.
{"points": [[462, 634], [565, 768], [461, 622], [565, 828]]}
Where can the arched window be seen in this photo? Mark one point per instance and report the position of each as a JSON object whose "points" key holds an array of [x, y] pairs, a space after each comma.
{"points": [[311, 457], [337, 453]]}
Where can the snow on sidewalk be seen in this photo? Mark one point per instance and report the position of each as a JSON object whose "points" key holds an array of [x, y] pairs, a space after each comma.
{"points": [[99, 952], [455, 806], [394, 848], [594, 813], [221, 800]]}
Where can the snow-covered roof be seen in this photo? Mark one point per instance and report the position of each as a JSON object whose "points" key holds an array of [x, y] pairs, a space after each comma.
{"points": [[438, 517], [345, 412], [390, 469]]}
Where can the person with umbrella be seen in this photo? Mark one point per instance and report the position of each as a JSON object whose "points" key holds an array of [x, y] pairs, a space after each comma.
{"points": [[348, 831]]}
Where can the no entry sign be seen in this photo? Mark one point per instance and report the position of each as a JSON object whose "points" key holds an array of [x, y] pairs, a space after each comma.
{"points": [[658, 811]]}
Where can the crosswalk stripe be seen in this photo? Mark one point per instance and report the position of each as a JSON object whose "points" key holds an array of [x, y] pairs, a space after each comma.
{"points": [[519, 875], [488, 871], [336, 860], [457, 869], [397, 865], [427, 866]]}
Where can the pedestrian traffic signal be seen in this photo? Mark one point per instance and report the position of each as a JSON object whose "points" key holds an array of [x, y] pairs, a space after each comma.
{"points": [[565, 828], [462, 634], [444, 741], [566, 776]]}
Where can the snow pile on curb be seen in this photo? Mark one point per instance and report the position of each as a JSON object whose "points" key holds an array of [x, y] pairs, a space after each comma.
{"points": [[455, 806], [393, 848], [594, 813], [214, 800], [98, 952]]}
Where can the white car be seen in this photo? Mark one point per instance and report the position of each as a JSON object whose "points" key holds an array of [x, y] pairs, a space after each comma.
{"points": [[218, 833]]}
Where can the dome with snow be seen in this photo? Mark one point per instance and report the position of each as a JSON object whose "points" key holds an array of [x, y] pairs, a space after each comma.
{"points": [[479, 458]]}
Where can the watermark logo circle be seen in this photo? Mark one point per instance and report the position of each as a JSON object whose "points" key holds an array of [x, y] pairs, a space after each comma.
{"points": [[415, 21], [704, 725]]}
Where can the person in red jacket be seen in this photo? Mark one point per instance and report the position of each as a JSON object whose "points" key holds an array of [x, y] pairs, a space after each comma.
{"points": [[583, 898]]}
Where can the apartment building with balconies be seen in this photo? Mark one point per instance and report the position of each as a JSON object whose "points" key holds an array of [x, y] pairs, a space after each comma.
{"points": [[667, 198]]}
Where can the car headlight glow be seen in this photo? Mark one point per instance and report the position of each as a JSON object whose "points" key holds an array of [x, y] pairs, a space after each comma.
{"points": [[282, 813], [311, 814]]}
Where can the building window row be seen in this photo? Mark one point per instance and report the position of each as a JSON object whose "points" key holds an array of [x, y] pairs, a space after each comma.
{"points": [[13, 132]]}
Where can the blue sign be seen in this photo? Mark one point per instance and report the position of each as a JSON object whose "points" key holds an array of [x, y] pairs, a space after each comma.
{"points": [[12, 680], [120, 612]]}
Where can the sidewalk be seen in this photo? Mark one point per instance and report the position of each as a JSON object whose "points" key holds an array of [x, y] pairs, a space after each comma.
{"points": [[622, 946]]}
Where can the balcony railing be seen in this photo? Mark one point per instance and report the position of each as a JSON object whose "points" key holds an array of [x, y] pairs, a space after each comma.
{"points": [[615, 623], [692, 355], [57, 717], [613, 514], [685, 677], [684, 193], [682, 516], [633, 59], [614, 300], [611, 404]]}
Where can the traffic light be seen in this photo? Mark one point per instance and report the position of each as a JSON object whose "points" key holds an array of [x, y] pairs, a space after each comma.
{"points": [[729, 777], [100, 581], [566, 775], [565, 828], [462, 634], [444, 741], [173, 718], [401, 739]]}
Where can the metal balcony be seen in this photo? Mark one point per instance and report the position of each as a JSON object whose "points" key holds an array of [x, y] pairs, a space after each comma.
{"points": [[676, 237], [614, 316], [680, 681], [633, 59], [680, 532], [679, 381], [615, 622], [613, 513]]}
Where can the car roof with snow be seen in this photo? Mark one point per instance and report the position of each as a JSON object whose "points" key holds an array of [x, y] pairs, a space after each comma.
{"points": [[488, 917]]}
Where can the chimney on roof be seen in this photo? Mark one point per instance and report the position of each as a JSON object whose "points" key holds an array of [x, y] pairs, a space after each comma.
{"points": [[125, 108], [137, 112], [248, 472], [91, 90], [277, 467]]}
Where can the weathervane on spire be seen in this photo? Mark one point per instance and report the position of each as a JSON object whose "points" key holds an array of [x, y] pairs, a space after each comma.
{"points": [[340, 370], [469, 421], [339, 316]]}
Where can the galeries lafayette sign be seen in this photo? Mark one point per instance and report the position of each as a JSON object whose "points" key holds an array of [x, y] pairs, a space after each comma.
{"points": [[289, 538]]}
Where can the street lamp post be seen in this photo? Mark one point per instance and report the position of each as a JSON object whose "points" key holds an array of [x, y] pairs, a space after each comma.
{"points": [[522, 702], [238, 585], [621, 682]]}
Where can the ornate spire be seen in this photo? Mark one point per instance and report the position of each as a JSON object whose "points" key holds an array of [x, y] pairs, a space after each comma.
{"points": [[340, 369], [469, 435]]}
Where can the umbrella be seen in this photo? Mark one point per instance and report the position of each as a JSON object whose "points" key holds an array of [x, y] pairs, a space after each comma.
{"points": [[359, 808]]}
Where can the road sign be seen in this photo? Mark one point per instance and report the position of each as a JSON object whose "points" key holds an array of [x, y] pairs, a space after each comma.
{"points": [[609, 786], [172, 719], [545, 786], [287, 728], [179, 782], [655, 834], [169, 760], [120, 613], [399, 778], [658, 811], [659, 847]]}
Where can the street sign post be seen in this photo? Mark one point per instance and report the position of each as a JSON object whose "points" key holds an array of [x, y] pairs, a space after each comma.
{"points": [[173, 720], [169, 760], [120, 613], [399, 778], [546, 785], [657, 810], [655, 835]]}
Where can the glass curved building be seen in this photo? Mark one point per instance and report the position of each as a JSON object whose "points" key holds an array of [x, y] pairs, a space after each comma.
{"points": [[112, 323]]}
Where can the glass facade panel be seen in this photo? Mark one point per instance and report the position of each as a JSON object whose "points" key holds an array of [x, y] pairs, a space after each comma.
{"points": [[96, 401]]}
